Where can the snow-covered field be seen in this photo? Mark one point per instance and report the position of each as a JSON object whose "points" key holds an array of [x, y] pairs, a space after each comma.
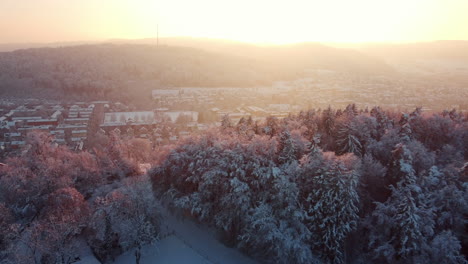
{"points": [[170, 250], [184, 242]]}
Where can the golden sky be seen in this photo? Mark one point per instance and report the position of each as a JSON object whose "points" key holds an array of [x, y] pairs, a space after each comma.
{"points": [[259, 21]]}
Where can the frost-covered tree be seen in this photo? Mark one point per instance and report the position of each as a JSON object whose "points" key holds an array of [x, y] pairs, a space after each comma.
{"points": [[372, 187], [328, 121], [447, 199], [286, 148], [63, 220], [226, 122], [445, 248], [347, 141], [383, 121], [405, 222], [138, 149], [332, 203], [314, 146], [278, 227], [271, 127], [6, 227], [309, 119], [351, 110], [406, 132], [127, 217], [242, 126]]}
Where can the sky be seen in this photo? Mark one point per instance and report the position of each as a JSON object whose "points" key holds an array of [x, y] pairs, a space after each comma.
{"points": [[256, 21]]}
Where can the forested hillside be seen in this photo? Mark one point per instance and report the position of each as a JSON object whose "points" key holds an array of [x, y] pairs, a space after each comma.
{"points": [[110, 71]]}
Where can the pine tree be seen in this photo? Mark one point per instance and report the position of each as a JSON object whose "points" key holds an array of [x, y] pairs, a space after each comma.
{"points": [[271, 127], [351, 110], [445, 248], [314, 146], [347, 141], [406, 133], [286, 148], [328, 120], [383, 122], [332, 205], [241, 126], [404, 223], [226, 122]]}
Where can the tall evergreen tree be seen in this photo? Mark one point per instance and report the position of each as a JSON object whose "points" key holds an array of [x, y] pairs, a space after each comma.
{"points": [[347, 141], [226, 122], [286, 148], [332, 204], [404, 223]]}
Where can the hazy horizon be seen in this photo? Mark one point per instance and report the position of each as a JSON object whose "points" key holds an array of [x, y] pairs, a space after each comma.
{"points": [[182, 37], [259, 22]]}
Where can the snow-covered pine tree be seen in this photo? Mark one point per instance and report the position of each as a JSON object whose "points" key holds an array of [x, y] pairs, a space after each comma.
{"points": [[276, 226], [314, 146], [286, 148], [347, 140], [383, 122], [445, 248], [406, 133], [351, 110], [271, 127], [226, 122], [332, 204], [328, 120], [403, 225]]}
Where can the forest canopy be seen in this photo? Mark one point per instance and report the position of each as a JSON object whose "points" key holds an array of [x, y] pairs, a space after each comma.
{"points": [[329, 186], [323, 186]]}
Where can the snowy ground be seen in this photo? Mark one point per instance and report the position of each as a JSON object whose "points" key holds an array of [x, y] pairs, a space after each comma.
{"points": [[186, 242], [183, 242], [169, 250]]}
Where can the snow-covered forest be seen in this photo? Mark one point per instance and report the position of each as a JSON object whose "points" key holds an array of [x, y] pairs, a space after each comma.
{"points": [[57, 205], [329, 186], [324, 186]]}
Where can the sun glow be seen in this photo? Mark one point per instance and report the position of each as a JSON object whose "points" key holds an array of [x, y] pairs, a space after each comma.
{"points": [[260, 21]]}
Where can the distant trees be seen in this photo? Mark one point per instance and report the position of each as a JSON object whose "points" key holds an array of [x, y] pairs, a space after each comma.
{"points": [[102, 71], [138, 149], [226, 122], [183, 119], [108, 71]]}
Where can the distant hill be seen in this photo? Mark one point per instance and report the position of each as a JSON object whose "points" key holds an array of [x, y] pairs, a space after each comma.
{"points": [[437, 50], [302, 55], [447, 59], [5, 47], [119, 70]]}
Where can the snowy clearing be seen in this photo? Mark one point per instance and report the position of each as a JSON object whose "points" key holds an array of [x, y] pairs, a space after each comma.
{"points": [[185, 242]]}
